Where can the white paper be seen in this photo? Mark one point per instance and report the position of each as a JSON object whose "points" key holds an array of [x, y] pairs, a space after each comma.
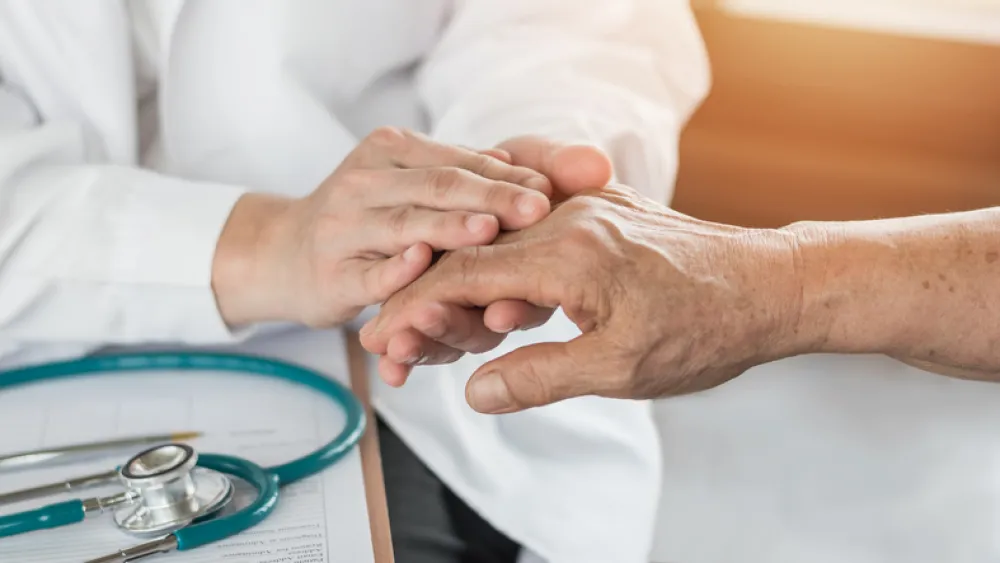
{"points": [[319, 520]]}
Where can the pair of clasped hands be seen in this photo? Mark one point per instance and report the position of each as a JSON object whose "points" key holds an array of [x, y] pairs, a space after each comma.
{"points": [[505, 190], [463, 246]]}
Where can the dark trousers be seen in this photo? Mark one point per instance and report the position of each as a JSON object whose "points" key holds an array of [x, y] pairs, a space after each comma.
{"points": [[429, 523]]}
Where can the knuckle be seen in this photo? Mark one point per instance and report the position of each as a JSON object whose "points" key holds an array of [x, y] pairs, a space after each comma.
{"points": [[445, 182], [584, 236], [500, 194], [530, 387], [452, 224], [582, 205], [465, 259], [482, 164], [385, 137], [398, 219]]}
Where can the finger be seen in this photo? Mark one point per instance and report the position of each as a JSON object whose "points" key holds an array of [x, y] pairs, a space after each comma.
{"points": [[498, 154], [409, 347], [456, 189], [508, 315], [390, 231], [393, 373], [477, 277], [376, 280], [578, 168], [572, 168], [457, 327], [538, 375], [390, 147]]}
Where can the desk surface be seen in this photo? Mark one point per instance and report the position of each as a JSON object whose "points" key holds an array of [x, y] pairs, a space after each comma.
{"points": [[371, 459]]}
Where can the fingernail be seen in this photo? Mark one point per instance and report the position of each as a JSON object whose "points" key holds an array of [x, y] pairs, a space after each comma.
{"points": [[489, 394], [414, 359], [477, 223], [412, 254], [529, 205], [507, 328]]}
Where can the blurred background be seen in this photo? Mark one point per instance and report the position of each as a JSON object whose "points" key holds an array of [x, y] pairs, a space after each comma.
{"points": [[844, 109]]}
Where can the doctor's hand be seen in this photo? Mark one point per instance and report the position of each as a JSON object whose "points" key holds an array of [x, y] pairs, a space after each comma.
{"points": [[368, 230], [443, 332], [667, 304]]}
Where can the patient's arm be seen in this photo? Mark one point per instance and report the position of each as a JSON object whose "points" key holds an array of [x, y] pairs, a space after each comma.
{"points": [[925, 290]]}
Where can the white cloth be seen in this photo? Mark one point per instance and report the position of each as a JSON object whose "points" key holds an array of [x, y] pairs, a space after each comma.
{"points": [[129, 131], [832, 459]]}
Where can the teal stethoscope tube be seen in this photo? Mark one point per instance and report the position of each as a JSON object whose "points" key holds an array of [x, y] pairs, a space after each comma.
{"points": [[265, 480]]}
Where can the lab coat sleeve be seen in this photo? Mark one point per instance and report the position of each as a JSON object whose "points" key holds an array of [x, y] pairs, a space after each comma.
{"points": [[621, 74], [95, 254]]}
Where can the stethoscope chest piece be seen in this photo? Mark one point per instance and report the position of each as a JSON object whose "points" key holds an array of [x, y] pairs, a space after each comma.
{"points": [[170, 491]]}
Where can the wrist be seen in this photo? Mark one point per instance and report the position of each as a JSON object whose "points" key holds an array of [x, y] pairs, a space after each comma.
{"points": [[244, 267], [773, 288], [849, 297]]}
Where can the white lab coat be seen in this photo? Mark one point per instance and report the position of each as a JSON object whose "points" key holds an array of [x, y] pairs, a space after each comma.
{"points": [[127, 132]]}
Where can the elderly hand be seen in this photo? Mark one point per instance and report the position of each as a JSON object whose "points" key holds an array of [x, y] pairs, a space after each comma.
{"points": [[442, 332], [368, 230], [667, 304]]}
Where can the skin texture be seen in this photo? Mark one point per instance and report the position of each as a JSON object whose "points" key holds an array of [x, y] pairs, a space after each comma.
{"points": [[668, 304], [663, 306], [443, 332], [923, 290], [368, 230]]}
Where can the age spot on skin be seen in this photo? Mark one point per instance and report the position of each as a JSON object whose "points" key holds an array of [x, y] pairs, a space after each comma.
{"points": [[992, 257], [927, 284]]}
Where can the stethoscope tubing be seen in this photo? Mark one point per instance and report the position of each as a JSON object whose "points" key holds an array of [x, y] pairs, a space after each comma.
{"points": [[265, 480]]}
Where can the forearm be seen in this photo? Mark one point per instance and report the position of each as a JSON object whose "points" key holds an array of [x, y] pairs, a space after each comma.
{"points": [[923, 289]]}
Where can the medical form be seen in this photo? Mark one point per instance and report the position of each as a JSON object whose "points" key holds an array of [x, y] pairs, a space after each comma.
{"points": [[318, 520]]}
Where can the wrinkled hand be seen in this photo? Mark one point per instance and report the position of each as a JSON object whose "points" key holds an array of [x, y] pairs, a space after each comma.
{"points": [[667, 304], [443, 332], [368, 230]]}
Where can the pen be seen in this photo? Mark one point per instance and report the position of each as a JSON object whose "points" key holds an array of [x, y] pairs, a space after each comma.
{"points": [[35, 457]]}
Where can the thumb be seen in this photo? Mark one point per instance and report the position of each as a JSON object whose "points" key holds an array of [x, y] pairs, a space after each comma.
{"points": [[538, 375], [572, 168], [576, 168]]}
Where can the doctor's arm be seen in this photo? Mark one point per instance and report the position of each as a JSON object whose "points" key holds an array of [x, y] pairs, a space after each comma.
{"points": [[536, 75], [668, 304], [95, 254], [100, 254]]}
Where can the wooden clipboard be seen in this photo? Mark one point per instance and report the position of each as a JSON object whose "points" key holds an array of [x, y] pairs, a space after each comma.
{"points": [[371, 457]]}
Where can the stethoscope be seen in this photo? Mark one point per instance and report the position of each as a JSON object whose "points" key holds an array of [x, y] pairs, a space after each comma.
{"points": [[171, 493]]}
